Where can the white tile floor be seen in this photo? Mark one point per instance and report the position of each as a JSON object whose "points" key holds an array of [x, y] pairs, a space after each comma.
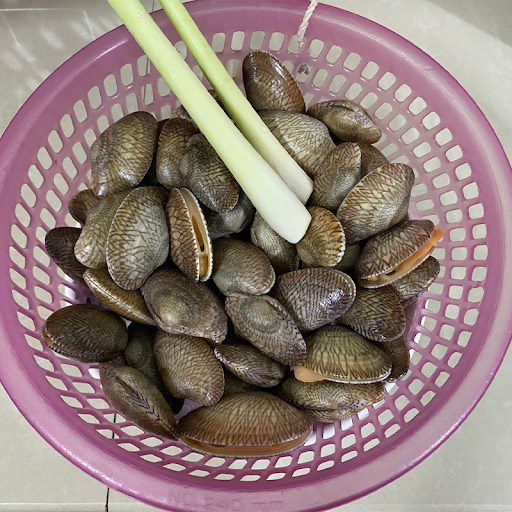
{"points": [[471, 471]]}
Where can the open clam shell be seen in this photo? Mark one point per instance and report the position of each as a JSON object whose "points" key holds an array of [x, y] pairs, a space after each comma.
{"points": [[378, 202], [269, 85], [190, 244], [181, 306], [251, 424], [371, 158], [81, 204], [398, 352], [138, 400], [315, 296], [231, 221], [265, 323], [122, 154], [86, 333]]}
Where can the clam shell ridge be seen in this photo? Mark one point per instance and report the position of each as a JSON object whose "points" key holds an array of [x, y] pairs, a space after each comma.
{"points": [[234, 385], [371, 158], [246, 424], [81, 204]]}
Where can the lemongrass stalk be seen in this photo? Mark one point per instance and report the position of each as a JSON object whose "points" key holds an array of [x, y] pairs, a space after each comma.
{"points": [[242, 112], [270, 195]]}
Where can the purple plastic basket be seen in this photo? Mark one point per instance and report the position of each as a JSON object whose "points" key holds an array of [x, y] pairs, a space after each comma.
{"points": [[459, 330]]}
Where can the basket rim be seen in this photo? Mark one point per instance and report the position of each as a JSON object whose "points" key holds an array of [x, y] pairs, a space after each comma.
{"points": [[172, 493]]}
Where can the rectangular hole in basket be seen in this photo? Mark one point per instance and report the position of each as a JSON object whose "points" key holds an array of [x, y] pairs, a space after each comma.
{"points": [[463, 171], [67, 125], [55, 141], [28, 195], [353, 91], [165, 112], [419, 189], [57, 383], [193, 457], [44, 158], [89, 418], [232, 67], [43, 295], [61, 183], [90, 136], [416, 386], [457, 234], [454, 359], [427, 397], [132, 103], [454, 153], [476, 211], [33, 342], [20, 299], [103, 123], [337, 83], [471, 316], [431, 120], [476, 294], [369, 100], [94, 97], [151, 458], [387, 80], [422, 340], [352, 61], [276, 41], [80, 111], [479, 274], [448, 198], [256, 42], [422, 150], [110, 85], [163, 87], [143, 65], [237, 41], [147, 94], [410, 135], [432, 165], [84, 387], [417, 105], [72, 402], [152, 441], [455, 291], [444, 136], [198, 472], [315, 48], [117, 111], [459, 254], [439, 351], [383, 111], [334, 54], [327, 450], [129, 447], [479, 231], [22, 215], [397, 122], [452, 311], [441, 379], [325, 465], [320, 77], [403, 92], [348, 456], [367, 430], [18, 259], [347, 441], [370, 70], [428, 369]]}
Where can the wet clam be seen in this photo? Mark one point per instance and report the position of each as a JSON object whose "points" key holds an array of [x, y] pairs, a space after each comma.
{"points": [[122, 154], [269, 85], [240, 267], [81, 204], [172, 146], [138, 400], [350, 258], [315, 296], [60, 244], [336, 175], [398, 352], [190, 245], [306, 139], [234, 385], [376, 314], [206, 175], [391, 255], [378, 202], [86, 333], [371, 158], [248, 424], [323, 245], [265, 323], [231, 221], [341, 355], [346, 120], [411, 286], [189, 368], [329, 401], [127, 303], [181, 306], [250, 365], [138, 239], [281, 253]]}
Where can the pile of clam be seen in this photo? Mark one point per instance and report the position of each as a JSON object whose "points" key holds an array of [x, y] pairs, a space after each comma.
{"points": [[264, 337]]}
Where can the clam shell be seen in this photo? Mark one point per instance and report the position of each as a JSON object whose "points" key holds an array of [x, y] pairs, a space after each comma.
{"points": [[190, 244], [281, 253], [341, 355], [378, 202], [268, 326], [269, 85], [246, 425], [383, 253], [122, 154], [234, 385], [323, 245], [376, 314], [371, 158], [138, 239], [328, 401], [350, 258], [189, 368], [206, 175], [91, 246], [411, 286], [306, 139], [138, 400], [60, 246], [250, 365], [231, 221], [347, 120], [172, 146], [127, 303], [81, 204], [181, 306], [398, 352], [315, 296], [240, 267], [336, 176], [86, 333]]}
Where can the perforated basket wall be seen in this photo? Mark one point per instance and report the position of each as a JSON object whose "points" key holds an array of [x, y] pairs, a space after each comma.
{"points": [[458, 332]]}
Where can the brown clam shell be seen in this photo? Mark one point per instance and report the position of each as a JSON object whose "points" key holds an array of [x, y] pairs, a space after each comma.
{"points": [[127, 303], [81, 204], [306, 139], [190, 244], [206, 175], [60, 246], [347, 120], [265, 323], [138, 400], [350, 258], [398, 352], [281, 253], [376, 314], [86, 333], [315, 296], [138, 239], [323, 245], [336, 176], [378, 202], [181, 306], [122, 154], [189, 368], [234, 385], [248, 424], [250, 365], [269, 85], [231, 221], [411, 286], [371, 158], [240, 267]]}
